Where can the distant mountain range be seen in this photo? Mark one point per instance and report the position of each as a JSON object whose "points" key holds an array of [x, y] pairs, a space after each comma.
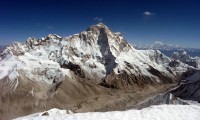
{"points": [[169, 49], [157, 45], [2, 47]]}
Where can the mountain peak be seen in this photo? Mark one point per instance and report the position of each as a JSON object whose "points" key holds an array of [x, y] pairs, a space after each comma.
{"points": [[101, 24], [97, 27], [54, 36]]}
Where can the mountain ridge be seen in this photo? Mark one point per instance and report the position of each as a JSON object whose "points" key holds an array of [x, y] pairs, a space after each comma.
{"points": [[95, 64], [157, 45]]}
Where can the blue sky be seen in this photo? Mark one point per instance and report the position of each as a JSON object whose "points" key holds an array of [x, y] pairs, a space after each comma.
{"points": [[140, 21]]}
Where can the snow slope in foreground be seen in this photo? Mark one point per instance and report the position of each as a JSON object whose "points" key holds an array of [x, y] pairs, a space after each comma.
{"points": [[161, 112]]}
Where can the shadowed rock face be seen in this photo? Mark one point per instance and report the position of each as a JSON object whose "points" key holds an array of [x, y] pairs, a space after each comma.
{"points": [[108, 58], [75, 68], [2, 47], [126, 81], [189, 91], [95, 70], [189, 88], [163, 77]]}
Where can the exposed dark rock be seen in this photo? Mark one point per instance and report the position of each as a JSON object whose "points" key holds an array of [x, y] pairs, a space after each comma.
{"points": [[123, 80], [75, 68], [174, 63], [45, 114], [162, 76]]}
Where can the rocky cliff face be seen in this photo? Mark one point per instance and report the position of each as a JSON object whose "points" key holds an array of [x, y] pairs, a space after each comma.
{"points": [[189, 88], [58, 71]]}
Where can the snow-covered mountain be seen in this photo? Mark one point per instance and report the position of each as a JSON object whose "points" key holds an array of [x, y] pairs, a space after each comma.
{"points": [[168, 49], [96, 53], [95, 64], [157, 45], [187, 59]]}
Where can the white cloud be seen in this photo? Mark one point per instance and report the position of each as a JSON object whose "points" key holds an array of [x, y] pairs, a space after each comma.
{"points": [[148, 13], [98, 19]]}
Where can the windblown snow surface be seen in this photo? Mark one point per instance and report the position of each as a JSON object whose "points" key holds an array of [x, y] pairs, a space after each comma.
{"points": [[160, 112]]}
